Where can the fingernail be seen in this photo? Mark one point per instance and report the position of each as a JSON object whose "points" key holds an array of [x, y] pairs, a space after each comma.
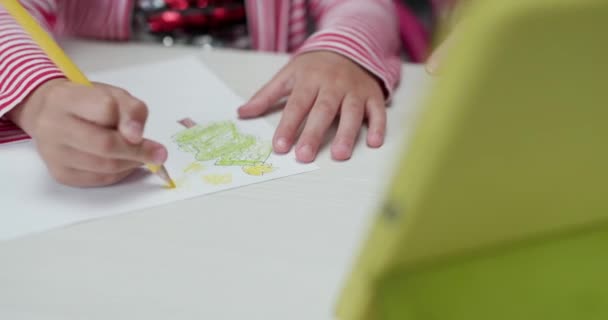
{"points": [[343, 151], [375, 139], [242, 111], [282, 145], [305, 153], [159, 156], [134, 129]]}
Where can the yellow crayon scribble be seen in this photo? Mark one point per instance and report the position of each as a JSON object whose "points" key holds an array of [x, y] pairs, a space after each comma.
{"points": [[259, 169], [194, 167], [218, 179]]}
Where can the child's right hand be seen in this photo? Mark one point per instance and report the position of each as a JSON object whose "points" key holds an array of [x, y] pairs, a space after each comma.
{"points": [[87, 136]]}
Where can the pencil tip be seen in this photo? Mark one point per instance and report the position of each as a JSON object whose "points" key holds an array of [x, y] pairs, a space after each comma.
{"points": [[171, 184]]}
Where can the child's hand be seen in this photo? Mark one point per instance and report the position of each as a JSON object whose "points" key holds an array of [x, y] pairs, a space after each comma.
{"points": [[320, 86], [75, 130]]}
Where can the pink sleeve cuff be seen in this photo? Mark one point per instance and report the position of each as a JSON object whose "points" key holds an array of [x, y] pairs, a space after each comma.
{"points": [[23, 68], [9, 132]]}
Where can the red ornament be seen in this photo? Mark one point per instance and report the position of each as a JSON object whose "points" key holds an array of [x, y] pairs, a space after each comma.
{"points": [[219, 14], [166, 21], [202, 3], [196, 19], [192, 15], [177, 4]]}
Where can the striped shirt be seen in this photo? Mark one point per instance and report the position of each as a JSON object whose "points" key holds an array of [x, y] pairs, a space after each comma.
{"points": [[365, 31]]}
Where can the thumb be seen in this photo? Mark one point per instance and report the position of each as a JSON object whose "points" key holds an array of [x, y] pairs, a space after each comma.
{"points": [[278, 88], [132, 113]]}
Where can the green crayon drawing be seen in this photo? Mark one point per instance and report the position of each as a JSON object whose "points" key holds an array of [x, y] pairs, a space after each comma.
{"points": [[224, 143]]}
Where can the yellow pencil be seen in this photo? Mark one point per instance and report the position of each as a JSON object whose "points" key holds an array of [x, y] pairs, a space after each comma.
{"points": [[63, 62]]}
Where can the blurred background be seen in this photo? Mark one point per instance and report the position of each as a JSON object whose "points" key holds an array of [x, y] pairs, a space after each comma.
{"points": [[222, 23]]}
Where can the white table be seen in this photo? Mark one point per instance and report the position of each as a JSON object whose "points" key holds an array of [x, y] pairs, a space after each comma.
{"points": [[277, 250]]}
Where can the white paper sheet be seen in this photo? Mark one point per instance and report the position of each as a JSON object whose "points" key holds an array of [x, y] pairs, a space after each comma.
{"points": [[31, 201]]}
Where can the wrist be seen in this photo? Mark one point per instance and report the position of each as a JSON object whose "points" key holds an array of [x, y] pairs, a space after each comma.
{"points": [[25, 113]]}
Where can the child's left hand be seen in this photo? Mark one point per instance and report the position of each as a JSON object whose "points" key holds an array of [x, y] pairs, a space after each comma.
{"points": [[322, 85]]}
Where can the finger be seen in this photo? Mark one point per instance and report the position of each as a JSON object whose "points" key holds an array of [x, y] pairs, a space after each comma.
{"points": [[376, 118], [133, 114], [109, 143], [94, 105], [298, 105], [351, 118], [321, 116], [88, 162], [83, 179], [275, 90]]}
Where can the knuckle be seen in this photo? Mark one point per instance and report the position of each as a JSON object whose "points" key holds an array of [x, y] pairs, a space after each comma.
{"points": [[297, 105], [311, 136], [377, 124], [265, 101], [377, 91], [375, 111], [377, 101], [380, 112], [105, 100], [343, 82], [356, 103], [121, 91], [140, 106], [326, 108], [311, 139], [288, 84], [309, 90], [344, 141], [294, 107], [134, 108], [106, 106]]}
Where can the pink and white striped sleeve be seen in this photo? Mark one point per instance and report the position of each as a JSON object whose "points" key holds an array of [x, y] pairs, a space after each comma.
{"points": [[23, 65], [366, 31]]}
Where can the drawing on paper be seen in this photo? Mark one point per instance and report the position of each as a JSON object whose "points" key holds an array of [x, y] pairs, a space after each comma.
{"points": [[223, 143], [217, 179], [194, 167], [258, 170]]}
